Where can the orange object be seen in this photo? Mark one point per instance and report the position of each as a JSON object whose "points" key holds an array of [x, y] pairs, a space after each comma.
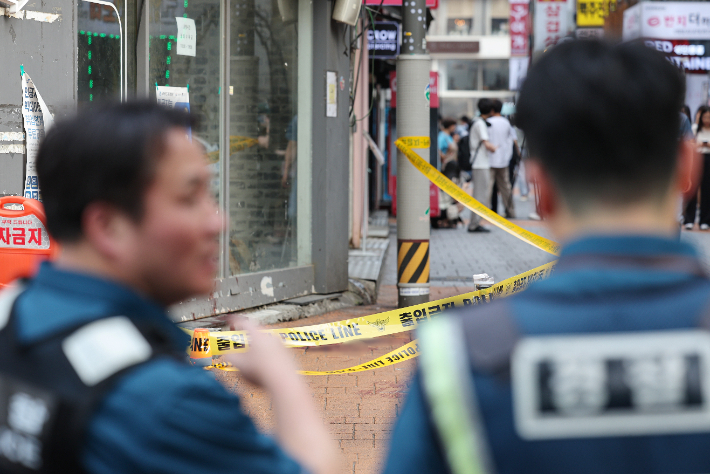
{"points": [[200, 345], [24, 241]]}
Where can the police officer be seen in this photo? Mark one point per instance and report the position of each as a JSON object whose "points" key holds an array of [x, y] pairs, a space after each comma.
{"points": [[604, 366], [93, 375]]}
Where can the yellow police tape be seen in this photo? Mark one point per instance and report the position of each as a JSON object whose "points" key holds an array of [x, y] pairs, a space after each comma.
{"points": [[373, 325], [400, 320], [406, 145], [401, 354]]}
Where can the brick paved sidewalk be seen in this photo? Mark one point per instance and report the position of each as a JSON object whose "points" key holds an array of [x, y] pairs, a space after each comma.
{"points": [[359, 408]]}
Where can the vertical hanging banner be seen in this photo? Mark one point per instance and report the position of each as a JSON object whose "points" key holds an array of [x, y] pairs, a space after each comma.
{"points": [[551, 23], [519, 22], [37, 121]]}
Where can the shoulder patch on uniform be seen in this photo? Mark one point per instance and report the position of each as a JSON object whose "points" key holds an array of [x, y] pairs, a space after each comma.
{"points": [[7, 300], [102, 348], [610, 385]]}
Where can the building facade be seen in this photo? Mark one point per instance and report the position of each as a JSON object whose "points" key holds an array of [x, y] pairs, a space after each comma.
{"points": [[269, 82]]}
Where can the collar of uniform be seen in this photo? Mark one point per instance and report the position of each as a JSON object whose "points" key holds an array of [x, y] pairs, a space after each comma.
{"points": [[628, 245], [57, 299]]}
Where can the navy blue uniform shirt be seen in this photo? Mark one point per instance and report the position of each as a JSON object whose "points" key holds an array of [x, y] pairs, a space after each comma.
{"points": [[580, 298], [163, 417]]}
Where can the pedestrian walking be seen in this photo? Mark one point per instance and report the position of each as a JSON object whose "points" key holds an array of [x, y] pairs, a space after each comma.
{"points": [[446, 143], [480, 145], [94, 375], [603, 366], [502, 136], [702, 141]]}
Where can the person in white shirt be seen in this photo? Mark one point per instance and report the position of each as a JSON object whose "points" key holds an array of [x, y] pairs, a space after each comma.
{"points": [[481, 147], [502, 136]]}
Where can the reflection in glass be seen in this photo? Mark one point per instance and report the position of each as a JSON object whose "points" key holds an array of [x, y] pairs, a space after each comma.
{"points": [[99, 54], [495, 75], [198, 73], [263, 117], [462, 75]]}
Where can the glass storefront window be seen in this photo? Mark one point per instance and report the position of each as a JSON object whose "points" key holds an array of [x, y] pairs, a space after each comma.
{"points": [[500, 12], [99, 54], [262, 176], [473, 75], [196, 74], [495, 74], [461, 75]]}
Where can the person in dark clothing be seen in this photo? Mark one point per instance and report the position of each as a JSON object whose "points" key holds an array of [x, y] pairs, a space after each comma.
{"points": [[603, 366]]}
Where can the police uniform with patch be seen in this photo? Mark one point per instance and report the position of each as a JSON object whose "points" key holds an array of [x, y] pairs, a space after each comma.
{"points": [[603, 367], [93, 378]]}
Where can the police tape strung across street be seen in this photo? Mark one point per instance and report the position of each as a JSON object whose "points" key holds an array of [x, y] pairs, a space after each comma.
{"points": [[406, 144], [373, 325], [400, 320]]}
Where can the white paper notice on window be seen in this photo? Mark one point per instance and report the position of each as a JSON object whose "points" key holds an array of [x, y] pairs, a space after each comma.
{"points": [[37, 121], [331, 109], [186, 37]]}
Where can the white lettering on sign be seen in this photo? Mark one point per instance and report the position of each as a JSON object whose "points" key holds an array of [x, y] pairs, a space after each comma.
{"points": [[23, 233]]}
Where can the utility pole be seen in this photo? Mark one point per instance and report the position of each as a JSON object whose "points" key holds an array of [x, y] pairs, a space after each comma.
{"points": [[413, 65]]}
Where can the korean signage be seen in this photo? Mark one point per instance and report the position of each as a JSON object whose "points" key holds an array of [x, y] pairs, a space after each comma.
{"points": [[593, 12], [383, 40], [551, 23], [37, 120], [692, 56], [25, 232], [668, 20], [519, 27]]}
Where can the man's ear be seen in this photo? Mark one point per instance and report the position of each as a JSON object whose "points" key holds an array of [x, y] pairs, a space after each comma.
{"points": [[546, 191], [689, 168], [107, 230]]}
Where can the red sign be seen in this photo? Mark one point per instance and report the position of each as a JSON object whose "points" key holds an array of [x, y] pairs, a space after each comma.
{"points": [[398, 3], [519, 27], [433, 89]]}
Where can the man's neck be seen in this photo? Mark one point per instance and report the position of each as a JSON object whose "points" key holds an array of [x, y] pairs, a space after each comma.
{"points": [[640, 219]]}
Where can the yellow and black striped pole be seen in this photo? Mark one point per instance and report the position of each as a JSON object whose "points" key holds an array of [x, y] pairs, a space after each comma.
{"points": [[413, 65]]}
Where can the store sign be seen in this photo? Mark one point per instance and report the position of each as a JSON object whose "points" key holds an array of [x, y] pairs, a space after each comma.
{"points": [[593, 12], [383, 40], [434, 89], [692, 56], [551, 23], [589, 33], [519, 27], [454, 47], [667, 20]]}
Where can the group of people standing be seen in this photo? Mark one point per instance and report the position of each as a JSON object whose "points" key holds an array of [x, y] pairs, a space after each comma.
{"points": [[485, 152]]}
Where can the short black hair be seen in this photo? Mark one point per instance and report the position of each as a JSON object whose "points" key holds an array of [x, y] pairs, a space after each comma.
{"points": [[447, 122], [603, 121], [107, 154], [497, 106], [485, 106]]}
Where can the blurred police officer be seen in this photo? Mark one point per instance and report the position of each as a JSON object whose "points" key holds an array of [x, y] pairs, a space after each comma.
{"points": [[603, 367], [93, 375]]}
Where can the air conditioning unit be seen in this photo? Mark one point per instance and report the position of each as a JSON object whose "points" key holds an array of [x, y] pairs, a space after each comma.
{"points": [[347, 11]]}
